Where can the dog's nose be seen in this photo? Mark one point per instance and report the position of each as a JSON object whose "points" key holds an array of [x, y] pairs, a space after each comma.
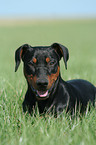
{"points": [[42, 82]]}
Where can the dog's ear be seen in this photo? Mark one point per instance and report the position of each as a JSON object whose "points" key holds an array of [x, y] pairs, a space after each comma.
{"points": [[19, 54], [62, 51]]}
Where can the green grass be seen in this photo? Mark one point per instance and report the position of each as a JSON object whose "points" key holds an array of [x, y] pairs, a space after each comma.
{"points": [[17, 128]]}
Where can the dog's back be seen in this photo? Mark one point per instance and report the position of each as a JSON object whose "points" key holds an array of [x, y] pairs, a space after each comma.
{"points": [[83, 91]]}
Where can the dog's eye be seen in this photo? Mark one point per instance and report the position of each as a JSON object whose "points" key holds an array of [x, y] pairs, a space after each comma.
{"points": [[52, 62], [30, 63]]}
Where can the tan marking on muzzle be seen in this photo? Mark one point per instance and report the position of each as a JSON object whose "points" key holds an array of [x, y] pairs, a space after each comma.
{"points": [[53, 77], [31, 79]]}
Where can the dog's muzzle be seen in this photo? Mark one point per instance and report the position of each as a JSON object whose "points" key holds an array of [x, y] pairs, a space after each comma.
{"points": [[42, 93]]}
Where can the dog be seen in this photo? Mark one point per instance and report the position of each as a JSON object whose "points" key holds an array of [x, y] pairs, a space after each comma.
{"points": [[46, 88]]}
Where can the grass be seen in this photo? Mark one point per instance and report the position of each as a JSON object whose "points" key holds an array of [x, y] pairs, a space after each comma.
{"points": [[22, 129]]}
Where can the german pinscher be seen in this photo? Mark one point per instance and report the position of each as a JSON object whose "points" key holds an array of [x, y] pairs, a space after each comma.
{"points": [[45, 85]]}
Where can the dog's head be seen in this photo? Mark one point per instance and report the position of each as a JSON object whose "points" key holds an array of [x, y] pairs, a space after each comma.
{"points": [[41, 66]]}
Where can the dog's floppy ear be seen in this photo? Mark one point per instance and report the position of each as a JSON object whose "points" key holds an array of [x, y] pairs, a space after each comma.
{"points": [[19, 54], [62, 51]]}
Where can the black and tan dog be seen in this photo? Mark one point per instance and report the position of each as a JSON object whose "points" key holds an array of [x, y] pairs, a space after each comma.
{"points": [[45, 85]]}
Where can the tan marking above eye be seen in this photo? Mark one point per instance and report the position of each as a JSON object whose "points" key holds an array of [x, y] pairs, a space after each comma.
{"points": [[34, 60], [47, 59]]}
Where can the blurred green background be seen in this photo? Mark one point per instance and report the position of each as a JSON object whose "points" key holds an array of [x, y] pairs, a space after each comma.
{"points": [[79, 36]]}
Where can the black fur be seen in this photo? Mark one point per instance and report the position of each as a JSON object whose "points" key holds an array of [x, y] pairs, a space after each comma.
{"points": [[41, 69]]}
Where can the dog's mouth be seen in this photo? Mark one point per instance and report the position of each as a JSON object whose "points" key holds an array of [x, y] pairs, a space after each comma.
{"points": [[42, 94]]}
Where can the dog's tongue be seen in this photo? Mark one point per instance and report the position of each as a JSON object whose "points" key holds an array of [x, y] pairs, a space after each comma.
{"points": [[42, 93]]}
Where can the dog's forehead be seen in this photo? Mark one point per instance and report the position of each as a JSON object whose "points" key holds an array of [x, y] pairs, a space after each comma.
{"points": [[40, 52]]}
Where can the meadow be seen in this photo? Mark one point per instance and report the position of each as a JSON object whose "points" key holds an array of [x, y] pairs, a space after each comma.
{"points": [[17, 128]]}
